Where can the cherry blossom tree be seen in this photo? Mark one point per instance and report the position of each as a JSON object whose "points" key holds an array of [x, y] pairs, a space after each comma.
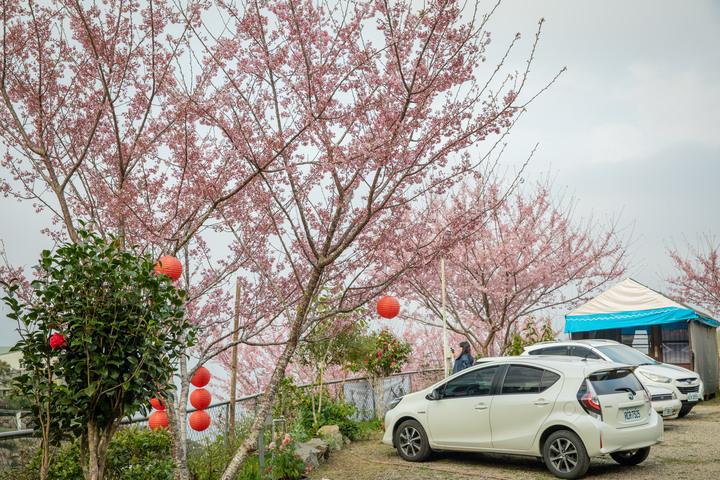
{"points": [[525, 254], [98, 126], [697, 278], [284, 142]]}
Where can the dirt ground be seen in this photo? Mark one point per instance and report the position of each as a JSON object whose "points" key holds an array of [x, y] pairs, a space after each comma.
{"points": [[691, 451]]}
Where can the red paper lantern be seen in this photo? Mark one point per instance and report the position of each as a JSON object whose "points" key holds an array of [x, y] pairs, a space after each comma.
{"points": [[170, 266], [199, 420], [56, 341], [158, 419], [200, 398], [388, 307], [201, 377], [157, 403]]}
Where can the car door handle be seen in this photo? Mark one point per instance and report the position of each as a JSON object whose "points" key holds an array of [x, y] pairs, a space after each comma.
{"points": [[481, 406], [541, 403]]}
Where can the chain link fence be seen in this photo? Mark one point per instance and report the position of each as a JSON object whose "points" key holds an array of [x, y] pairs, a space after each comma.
{"points": [[369, 402]]}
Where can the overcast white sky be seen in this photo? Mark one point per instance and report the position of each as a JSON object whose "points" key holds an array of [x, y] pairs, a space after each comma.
{"points": [[633, 126]]}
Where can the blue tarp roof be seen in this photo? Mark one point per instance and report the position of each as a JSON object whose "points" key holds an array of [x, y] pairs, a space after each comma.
{"points": [[631, 304], [659, 316]]}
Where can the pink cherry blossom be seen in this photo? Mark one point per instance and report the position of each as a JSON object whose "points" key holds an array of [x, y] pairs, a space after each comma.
{"points": [[283, 151]]}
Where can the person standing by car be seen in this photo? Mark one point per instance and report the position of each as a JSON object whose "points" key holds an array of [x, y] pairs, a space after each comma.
{"points": [[463, 359]]}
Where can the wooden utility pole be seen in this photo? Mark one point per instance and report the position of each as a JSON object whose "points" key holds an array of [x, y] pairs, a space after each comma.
{"points": [[446, 353], [233, 366]]}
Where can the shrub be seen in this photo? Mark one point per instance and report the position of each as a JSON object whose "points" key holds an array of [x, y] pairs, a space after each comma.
{"points": [[101, 334], [285, 463], [333, 412], [534, 331], [140, 454], [134, 454]]}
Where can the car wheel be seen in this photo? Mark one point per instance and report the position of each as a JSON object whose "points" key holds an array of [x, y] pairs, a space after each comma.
{"points": [[412, 442], [565, 456], [631, 457], [685, 409]]}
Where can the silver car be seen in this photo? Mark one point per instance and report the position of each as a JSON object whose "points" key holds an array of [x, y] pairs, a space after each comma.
{"points": [[686, 384], [562, 409]]}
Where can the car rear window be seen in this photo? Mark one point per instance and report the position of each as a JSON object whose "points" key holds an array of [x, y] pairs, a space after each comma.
{"points": [[556, 350], [614, 381], [583, 352]]}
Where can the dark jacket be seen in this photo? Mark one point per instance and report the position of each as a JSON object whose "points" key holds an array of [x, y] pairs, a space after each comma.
{"points": [[463, 362]]}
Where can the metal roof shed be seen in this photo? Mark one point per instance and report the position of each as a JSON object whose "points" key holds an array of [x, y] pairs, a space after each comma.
{"points": [[665, 329]]}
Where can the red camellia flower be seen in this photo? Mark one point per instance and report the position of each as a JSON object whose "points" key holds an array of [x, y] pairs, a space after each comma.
{"points": [[56, 341]]}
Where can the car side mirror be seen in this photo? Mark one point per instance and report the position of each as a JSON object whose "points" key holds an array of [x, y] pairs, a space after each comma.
{"points": [[434, 395]]}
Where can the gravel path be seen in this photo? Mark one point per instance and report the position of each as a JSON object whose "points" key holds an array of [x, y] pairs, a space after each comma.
{"points": [[691, 451]]}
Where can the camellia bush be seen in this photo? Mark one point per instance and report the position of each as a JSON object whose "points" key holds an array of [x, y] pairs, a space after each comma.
{"points": [[386, 354], [100, 334]]}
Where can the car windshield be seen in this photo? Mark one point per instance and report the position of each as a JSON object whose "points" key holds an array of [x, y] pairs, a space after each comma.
{"points": [[624, 354]]}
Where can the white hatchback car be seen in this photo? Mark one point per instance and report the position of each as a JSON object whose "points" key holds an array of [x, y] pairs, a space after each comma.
{"points": [[562, 409], [664, 401], [685, 383]]}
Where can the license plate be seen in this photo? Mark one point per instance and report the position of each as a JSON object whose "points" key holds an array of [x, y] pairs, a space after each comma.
{"points": [[632, 414], [693, 397], [667, 411]]}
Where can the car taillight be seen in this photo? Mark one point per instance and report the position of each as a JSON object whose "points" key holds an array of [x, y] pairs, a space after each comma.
{"points": [[648, 397], [591, 404]]}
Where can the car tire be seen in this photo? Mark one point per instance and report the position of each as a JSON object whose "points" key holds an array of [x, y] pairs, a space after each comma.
{"points": [[631, 457], [412, 442], [685, 409], [565, 455]]}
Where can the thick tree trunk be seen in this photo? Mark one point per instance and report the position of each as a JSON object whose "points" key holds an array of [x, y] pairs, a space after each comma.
{"points": [[250, 441], [44, 470], [94, 446], [179, 447], [94, 468], [176, 413]]}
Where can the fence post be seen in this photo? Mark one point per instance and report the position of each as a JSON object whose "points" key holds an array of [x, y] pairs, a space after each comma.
{"points": [[228, 440], [261, 449]]}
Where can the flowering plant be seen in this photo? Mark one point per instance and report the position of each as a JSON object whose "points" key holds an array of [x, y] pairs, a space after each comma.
{"points": [[285, 462], [56, 341], [388, 354]]}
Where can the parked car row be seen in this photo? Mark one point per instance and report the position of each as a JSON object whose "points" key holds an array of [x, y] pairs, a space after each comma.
{"points": [[683, 383], [586, 399]]}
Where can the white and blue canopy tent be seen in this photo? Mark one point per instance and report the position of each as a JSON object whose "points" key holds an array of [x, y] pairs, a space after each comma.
{"points": [[630, 307]]}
